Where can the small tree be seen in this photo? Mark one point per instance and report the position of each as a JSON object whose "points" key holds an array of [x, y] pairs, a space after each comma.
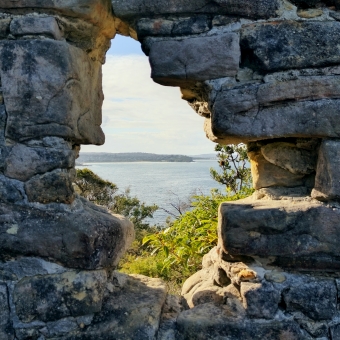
{"points": [[105, 193], [234, 162]]}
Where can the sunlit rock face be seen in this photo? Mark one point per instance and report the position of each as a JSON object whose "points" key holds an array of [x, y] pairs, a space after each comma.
{"points": [[265, 73]]}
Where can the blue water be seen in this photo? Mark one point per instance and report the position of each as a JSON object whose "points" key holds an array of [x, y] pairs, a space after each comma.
{"points": [[160, 183]]}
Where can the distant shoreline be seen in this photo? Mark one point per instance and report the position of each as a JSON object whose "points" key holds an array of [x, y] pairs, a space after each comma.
{"points": [[134, 157]]}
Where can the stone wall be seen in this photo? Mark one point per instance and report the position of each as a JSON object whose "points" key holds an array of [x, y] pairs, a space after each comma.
{"points": [[261, 72]]}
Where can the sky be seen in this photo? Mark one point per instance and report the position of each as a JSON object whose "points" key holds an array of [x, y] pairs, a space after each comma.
{"points": [[142, 116]]}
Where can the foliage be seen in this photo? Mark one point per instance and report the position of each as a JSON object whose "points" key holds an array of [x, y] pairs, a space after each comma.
{"points": [[191, 236], [105, 193], [234, 162]]}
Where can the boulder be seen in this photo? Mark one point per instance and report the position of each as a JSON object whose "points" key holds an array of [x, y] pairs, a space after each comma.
{"points": [[51, 89], [327, 180], [297, 234], [175, 63], [82, 236]]}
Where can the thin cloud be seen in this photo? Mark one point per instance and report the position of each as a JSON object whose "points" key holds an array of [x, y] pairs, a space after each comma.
{"points": [[140, 115]]}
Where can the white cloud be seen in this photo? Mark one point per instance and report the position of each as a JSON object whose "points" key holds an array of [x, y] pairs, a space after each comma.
{"points": [[139, 115]]}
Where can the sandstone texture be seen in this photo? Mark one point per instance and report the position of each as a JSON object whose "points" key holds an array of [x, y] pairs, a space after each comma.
{"points": [[265, 73], [293, 233], [48, 301], [85, 237]]}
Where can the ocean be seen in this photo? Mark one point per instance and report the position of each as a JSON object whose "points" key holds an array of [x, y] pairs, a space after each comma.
{"points": [[160, 183]]}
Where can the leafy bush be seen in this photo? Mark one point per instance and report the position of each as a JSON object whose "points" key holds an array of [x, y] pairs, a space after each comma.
{"points": [[105, 193], [191, 236]]}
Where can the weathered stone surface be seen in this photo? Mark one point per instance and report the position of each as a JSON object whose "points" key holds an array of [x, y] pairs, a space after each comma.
{"points": [[316, 298], [171, 309], [248, 8], [307, 119], [53, 297], [252, 9], [175, 62], [29, 266], [260, 299], [129, 9], [3, 118], [87, 237], [211, 322], [6, 330], [295, 234], [290, 157], [24, 162], [97, 11], [131, 310], [57, 93], [311, 13], [4, 27], [266, 174], [327, 180], [335, 331], [9, 190], [293, 44], [176, 27], [55, 186], [35, 25]]}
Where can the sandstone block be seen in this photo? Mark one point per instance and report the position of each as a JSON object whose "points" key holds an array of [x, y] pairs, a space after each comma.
{"points": [[260, 300], [97, 11], [315, 298], [306, 119], [248, 8], [52, 297], [129, 9], [294, 234], [10, 190], [3, 118], [335, 331], [36, 26], [57, 93], [289, 157], [327, 180], [266, 174], [211, 322], [176, 27], [176, 62], [4, 27], [85, 237], [131, 310], [6, 330], [24, 162], [55, 186], [296, 44], [29, 266]]}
